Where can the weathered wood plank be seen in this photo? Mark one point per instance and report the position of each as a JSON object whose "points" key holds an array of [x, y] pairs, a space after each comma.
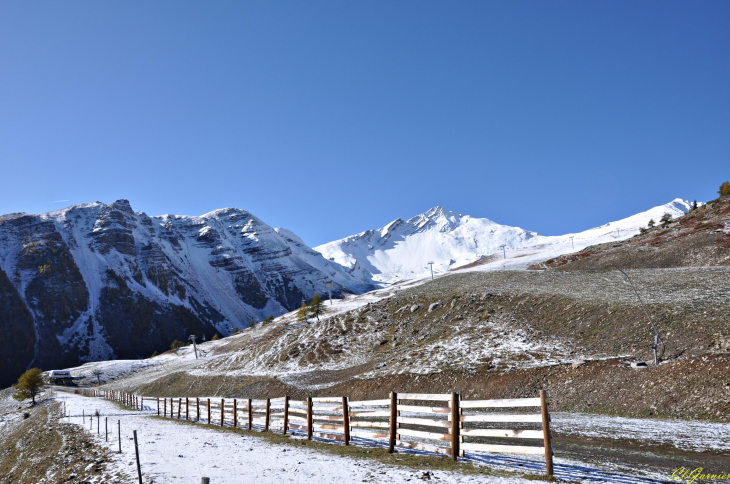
{"points": [[382, 425], [328, 427], [500, 418], [327, 399], [370, 403], [419, 409], [445, 397], [384, 413], [323, 435], [511, 402], [327, 417], [423, 435], [516, 434], [426, 447], [368, 435], [504, 449], [424, 421]]}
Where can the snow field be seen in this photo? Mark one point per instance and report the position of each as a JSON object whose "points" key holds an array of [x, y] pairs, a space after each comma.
{"points": [[175, 452]]}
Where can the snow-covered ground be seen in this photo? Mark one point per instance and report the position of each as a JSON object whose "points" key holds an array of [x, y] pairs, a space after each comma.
{"points": [[682, 434], [175, 452], [403, 249]]}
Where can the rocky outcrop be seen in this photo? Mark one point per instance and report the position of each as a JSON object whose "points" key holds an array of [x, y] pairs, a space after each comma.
{"points": [[97, 281]]}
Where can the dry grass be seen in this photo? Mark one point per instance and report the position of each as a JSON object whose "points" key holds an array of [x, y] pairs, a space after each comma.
{"points": [[44, 449]]}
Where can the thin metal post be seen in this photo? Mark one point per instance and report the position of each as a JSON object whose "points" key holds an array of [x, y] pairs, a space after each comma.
{"points": [[136, 452], [119, 430]]}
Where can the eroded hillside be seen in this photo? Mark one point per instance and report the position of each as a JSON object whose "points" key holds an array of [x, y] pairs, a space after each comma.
{"points": [[490, 334]]}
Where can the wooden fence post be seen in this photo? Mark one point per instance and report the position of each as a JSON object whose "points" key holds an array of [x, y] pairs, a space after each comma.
{"points": [[250, 415], [286, 414], [179, 406], [310, 418], [223, 411], [546, 433], [158, 406], [455, 425], [164, 407], [209, 422], [393, 420], [197, 410], [346, 419], [235, 414], [268, 414]]}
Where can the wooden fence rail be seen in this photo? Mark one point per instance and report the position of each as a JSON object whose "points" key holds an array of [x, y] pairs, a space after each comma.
{"points": [[440, 423]]}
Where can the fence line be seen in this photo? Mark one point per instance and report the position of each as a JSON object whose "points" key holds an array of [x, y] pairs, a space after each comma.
{"points": [[439, 423]]}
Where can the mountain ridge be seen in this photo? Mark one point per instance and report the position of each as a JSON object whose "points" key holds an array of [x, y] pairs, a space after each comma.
{"points": [[101, 281], [401, 249]]}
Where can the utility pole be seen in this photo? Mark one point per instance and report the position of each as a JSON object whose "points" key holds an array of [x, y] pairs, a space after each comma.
{"points": [[431, 264], [195, 347], [571, 242], [504, 251]]}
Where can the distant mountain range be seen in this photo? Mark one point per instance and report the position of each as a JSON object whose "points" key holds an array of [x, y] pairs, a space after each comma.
{"points": [[402, 249], [98, 282]]}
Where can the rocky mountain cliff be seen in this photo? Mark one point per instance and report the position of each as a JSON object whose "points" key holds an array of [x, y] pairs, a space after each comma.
{"points": [[97, 281]]}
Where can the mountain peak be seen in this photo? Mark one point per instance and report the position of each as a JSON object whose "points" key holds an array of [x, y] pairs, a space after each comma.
{"points": [[439, 211]]}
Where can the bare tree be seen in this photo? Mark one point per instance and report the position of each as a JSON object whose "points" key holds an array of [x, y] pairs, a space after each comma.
{"points": [[97, 373]]}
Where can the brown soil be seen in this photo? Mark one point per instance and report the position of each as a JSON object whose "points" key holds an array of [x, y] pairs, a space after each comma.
{"points": [[689, 387], [698, 239]]}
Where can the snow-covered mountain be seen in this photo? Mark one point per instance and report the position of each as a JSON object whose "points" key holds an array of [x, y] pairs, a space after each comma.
{"points": [[98, 281], [402, 249]]}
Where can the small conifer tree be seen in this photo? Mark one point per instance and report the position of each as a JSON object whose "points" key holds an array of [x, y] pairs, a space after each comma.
{"points": [[316, 307], [252, 323], [303, 313], [30, 384], [666, 219], [724, 189], [694, 206], [154, 353], [651, 223], [175, 345], [215, 337]]}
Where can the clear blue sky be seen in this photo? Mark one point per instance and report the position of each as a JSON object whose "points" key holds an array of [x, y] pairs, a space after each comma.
{"points": [[330, 118]]}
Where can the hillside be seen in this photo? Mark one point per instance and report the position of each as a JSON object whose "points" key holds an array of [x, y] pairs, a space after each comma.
{"points": [[500, 334], [96, 281], [698, 239], [402, 249]]}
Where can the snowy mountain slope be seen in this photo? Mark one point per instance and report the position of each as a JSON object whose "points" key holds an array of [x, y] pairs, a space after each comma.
{"points": [[402, 249], [100, 281]]}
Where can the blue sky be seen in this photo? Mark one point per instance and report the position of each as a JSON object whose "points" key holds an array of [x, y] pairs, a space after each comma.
{"points": [[330, 118]]}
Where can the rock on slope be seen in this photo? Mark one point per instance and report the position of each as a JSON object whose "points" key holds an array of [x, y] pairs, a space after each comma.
{"points": [[98, 281], [400, 250]]}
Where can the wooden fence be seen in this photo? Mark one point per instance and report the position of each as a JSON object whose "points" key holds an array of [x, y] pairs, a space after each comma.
{"points": [[440, 423]]}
